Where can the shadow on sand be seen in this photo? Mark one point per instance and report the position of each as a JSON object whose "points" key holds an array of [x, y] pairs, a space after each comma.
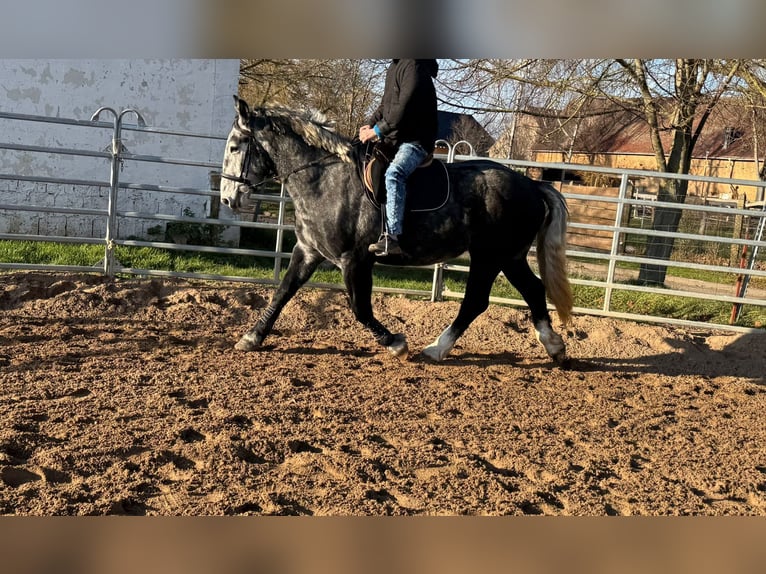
{"points": [[744, 357]]}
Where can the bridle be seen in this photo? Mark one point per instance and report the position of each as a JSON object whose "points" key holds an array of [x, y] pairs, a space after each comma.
{"points": [[241, 179]]}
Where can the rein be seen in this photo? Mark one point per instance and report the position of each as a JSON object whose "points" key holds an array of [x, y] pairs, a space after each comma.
{"points": [[247, 182], [308, 165]]}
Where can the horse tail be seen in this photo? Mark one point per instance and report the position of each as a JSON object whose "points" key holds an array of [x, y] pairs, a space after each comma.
{"points": [[551, 252]]}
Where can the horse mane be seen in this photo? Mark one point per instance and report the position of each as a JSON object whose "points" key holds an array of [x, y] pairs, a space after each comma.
{"points": [[311, 126]]}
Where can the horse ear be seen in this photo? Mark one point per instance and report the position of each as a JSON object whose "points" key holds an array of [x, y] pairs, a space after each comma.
{"points": [[243, 111], [241, 106]]}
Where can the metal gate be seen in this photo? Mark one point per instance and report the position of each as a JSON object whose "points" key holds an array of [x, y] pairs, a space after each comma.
{"points": [[613, 262]]}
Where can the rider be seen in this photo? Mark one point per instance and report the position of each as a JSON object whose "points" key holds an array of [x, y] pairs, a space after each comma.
{"points": [[406, 119]]}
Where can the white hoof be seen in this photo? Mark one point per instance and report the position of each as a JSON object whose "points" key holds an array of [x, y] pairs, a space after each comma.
{"points": [[440, 348], [432, 352], [552, 341], [248, 342]]}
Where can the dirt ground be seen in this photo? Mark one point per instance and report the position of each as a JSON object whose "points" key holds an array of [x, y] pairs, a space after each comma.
{"points": [[127, 397]]}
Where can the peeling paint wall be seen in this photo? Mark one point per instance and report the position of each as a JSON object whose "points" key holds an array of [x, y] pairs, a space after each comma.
{"points": [[182, 94]]}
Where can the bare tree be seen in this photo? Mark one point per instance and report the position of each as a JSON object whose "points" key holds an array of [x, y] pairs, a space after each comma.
{"points": [[344, 90], [754, 74], [673, 97], [678, 97]]}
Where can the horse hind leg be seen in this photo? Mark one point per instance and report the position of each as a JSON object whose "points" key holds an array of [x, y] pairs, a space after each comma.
{"points": [[552, 341], [476, 300], [302, 266], [532, 290]]}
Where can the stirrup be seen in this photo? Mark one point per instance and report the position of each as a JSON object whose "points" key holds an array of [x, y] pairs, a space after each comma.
{"points": [[386, 245]]}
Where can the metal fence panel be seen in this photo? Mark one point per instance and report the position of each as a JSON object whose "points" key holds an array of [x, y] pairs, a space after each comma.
{"points": [[120, 198]]}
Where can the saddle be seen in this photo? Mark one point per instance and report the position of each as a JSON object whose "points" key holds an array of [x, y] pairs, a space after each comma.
{"points": [[428, 187]]}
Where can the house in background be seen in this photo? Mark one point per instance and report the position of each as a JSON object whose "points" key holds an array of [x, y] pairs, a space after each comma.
{"points": [[454, 127], [525, 132], [726, 148], [620, 138]]}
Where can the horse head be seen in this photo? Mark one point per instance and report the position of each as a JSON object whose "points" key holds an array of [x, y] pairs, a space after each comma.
{"points": [[246, 163]]}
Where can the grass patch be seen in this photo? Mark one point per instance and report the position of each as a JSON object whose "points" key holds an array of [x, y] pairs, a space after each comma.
{"points": [[585, 296], [41, 253]]}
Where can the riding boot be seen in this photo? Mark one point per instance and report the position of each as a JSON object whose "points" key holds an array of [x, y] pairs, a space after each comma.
{"points": [[386, 245]]}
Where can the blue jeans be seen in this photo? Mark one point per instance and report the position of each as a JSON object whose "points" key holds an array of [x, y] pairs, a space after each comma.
{"points": [[407, 159]]}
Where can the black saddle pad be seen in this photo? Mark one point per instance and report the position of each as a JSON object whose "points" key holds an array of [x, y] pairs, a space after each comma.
{"points": [[428, 187]]}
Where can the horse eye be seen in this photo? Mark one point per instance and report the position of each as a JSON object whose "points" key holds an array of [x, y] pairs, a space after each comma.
{"points": [[233, 149]]}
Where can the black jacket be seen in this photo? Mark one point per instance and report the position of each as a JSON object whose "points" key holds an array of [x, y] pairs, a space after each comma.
{"points": [[408, 110]]}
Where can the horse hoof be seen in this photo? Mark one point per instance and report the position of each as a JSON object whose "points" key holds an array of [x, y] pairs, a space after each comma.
{"points": [[442, 346], [246, 344], [433, 353], [398, 346], [561, 359]]}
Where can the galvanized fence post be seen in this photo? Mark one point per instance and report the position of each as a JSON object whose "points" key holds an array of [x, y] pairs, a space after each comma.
{"points": [[453, 149], [744, 280], [615, 242], [437, 284], [114, 182], [280, 233]]}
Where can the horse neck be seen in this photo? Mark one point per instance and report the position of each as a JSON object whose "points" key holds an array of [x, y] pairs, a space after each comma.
{"points": [[293, 154]]}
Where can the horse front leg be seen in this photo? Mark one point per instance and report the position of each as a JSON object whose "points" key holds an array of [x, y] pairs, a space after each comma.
{"points": [[357, 275], [302, 265]]}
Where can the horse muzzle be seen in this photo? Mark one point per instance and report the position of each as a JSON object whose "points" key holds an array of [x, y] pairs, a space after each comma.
{"points": [[235, 196], [232, 203]]}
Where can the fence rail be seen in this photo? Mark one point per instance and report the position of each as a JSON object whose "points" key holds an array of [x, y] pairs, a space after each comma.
{"points": [[610, 262]]}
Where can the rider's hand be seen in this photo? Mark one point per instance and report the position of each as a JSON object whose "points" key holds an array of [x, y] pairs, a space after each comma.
{"points": [[366, 133]]}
